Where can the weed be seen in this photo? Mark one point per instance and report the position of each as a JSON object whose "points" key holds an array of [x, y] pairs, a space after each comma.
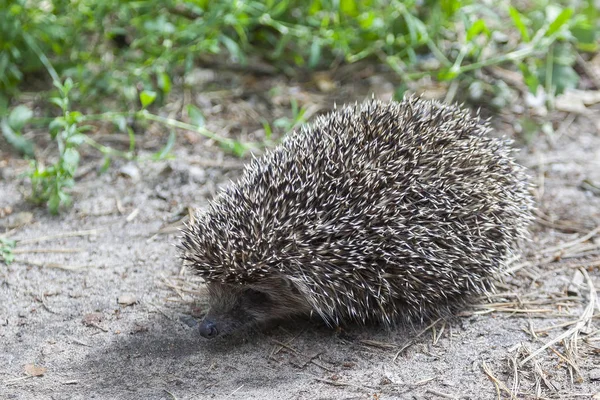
{"points": [[48, 183], [285, 124], [6, 250], [124, 55]]}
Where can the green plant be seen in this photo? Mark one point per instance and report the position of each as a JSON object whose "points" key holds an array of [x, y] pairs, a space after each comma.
{"points": [[148, 42], [12, 126], [285, 124], [48, 183], [6, 250], [127, 57]]}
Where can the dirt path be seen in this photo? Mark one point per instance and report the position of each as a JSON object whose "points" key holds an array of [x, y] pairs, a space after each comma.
{"points": [[60, 311]]}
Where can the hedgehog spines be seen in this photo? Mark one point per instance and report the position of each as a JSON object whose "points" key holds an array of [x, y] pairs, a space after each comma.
{"points": [[376, 211]]}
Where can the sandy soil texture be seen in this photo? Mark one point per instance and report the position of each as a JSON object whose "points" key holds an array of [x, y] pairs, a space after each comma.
{"points": [[96, 305]]}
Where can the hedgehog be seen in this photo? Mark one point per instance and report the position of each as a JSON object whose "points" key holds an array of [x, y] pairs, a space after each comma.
{"points": [[378, 212]]}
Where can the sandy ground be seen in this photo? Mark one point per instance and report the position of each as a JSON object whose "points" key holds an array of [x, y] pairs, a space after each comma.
{"points": [[96, 304]]}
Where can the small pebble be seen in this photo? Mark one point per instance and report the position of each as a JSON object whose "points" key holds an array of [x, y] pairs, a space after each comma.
{"points": [[130, 170], [126, 299]]}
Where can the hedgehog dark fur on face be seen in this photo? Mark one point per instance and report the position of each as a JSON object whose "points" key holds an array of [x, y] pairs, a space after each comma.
{"points": [[375, 212]]}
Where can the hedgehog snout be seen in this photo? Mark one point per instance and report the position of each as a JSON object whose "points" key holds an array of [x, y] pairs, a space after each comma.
{"points": [[208, 329]]}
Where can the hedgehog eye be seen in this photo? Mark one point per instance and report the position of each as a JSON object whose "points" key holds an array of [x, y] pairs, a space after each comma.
{"points": [[256, 296]]}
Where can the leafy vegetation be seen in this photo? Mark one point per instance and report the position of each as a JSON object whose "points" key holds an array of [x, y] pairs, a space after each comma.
{"points": [[132, 52], [6, 250]]}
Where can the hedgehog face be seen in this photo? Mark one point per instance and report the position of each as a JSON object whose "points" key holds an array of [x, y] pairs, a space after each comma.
{"points": [[235, 307]]}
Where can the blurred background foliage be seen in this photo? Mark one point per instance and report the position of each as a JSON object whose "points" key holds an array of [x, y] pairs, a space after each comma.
{"points": [[111, 47], [114, 59]]}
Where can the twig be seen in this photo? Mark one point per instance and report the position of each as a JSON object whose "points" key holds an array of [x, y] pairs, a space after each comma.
{"points": [[497, 383], [15, 380], [379, 345], [42, 299], [567, 245], [574, 331], [79, 342], [337, 383], [410, 342], [275, 350], [310, 359], [589, 71], [59, 236], [232, 393], [180, 290], [27, 251], [42, 264], [95, 325], [549, 328], [441, 394]]}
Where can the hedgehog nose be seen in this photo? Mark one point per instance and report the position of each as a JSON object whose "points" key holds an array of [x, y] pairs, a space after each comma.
{"points": [[208, 329]]}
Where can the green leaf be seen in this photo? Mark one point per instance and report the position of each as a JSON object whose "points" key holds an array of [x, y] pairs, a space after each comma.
{"points": [[531, 79], [366, 20], [74, 117], [315, 54], [62, 103], [348, 7], [564, 77], [196, 116], [518, 21], [400, 91], [238, 148], [3, 104], [164, 82], [164, 152], [447, 74], [315, 7], [70, 160], [267, 128], [121, 123], [76, 139], [586, 35], [105, 165], [233, 48], [19, 117], [16, 140], [559, 21], [147, 97], [131, 139], [68, 85], [449, 7], [478, 27], [54, 203], [56, 125], [6, 250]]}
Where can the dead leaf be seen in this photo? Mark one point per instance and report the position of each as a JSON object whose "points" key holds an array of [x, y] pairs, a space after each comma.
{"points": [[324, 82], [34, 370], [5, 211], [92, 319]]}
